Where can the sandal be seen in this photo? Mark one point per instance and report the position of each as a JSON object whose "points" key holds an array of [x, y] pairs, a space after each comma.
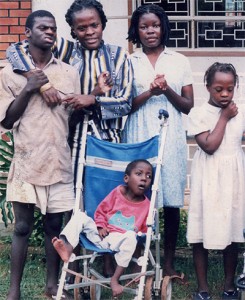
{"points": [[231, 295], [202, 296]]}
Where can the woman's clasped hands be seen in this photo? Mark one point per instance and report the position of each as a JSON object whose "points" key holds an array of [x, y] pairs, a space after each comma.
{"points": [[159, 85]]}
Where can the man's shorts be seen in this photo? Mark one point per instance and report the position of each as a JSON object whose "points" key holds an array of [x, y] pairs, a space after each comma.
{"points": [[55, 198]]}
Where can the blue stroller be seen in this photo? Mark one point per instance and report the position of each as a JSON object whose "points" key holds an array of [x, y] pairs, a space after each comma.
{"points": [[101, 170]]}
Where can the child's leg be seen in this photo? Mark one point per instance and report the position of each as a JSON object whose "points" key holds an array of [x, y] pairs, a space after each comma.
{"points": [[78, 223], [230, 255], [117, 289], [73, 228], [63, 247], [69, 237], [24, 219], [125, 244], [200, 257]]}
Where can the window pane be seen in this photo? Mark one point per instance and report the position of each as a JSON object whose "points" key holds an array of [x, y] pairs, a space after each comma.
{"points": [[220, 7], [172, 7], [180, 33], [218, 34]]}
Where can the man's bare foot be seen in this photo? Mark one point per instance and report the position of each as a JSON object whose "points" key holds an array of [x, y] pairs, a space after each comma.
{"points": [[169, 270], [117, 289], [176, 276], [64, 249]]}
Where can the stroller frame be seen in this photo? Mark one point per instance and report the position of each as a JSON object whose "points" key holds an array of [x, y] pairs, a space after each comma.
{"points": [[150, 281]]}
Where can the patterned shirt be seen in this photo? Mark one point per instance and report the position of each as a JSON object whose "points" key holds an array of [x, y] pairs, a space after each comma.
{"points": [[41, 152], [111, 107]]}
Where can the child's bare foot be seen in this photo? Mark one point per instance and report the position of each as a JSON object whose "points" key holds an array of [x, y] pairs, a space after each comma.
{"points": [[64, 249], [117, 289]]}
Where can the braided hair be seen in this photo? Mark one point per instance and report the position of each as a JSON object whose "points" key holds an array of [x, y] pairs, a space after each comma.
{"points": [[133, 32], [219, 67], [79, 5]]}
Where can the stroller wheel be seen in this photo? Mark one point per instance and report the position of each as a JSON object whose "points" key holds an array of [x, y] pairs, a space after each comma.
{"points": [[95, 290], [166, 289], [77, 295], [240, 281], [148, 288]]}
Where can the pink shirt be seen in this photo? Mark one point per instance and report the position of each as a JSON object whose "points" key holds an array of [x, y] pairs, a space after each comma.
{"points": [[41, 152], [120, 215]]}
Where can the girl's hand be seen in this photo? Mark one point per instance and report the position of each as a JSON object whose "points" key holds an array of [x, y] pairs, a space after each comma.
{"points": [[230, 111], [103, 232]]}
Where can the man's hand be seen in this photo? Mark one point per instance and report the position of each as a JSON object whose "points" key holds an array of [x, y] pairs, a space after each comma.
{"points": [[104, 84], [51, 96], [79, 101], [35, 79]]}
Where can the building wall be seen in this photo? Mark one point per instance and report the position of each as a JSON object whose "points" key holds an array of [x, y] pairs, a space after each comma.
{"points": [[12, 19]]}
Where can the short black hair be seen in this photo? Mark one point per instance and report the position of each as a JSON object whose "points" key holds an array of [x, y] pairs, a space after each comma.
{"points": [[132, 165], [133, 32], [79, 5], [37, 14], [219, 67]]}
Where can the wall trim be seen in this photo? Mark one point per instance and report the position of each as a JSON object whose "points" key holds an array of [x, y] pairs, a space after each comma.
{"points": [[217, 52]]}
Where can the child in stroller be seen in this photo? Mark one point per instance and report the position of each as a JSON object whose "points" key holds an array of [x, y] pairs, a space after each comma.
{"points": [[117, 220]]}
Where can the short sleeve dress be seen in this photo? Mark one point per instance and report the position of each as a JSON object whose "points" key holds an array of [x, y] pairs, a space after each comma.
{"points": [[217, 204], [144, 123]]}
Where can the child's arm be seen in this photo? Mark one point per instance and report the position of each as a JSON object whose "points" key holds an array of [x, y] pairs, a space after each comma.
{"points": [[210, 141], [101, 213], [18, 106]]}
